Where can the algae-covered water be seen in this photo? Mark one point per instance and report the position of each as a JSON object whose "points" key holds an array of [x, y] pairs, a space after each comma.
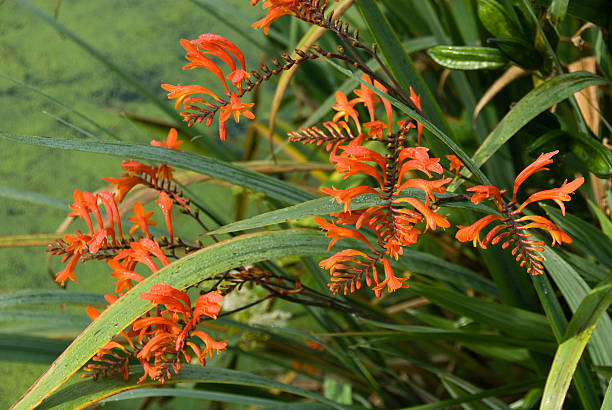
{"points": [[139, 37]]}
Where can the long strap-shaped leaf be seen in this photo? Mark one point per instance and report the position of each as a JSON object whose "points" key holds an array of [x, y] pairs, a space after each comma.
{"points": [[535, 102], [79, 395], [400, 64], [573, 343], [192, 269], [204, 165]]}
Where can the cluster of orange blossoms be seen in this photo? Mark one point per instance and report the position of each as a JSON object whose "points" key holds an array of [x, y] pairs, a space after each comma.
{"points": [[513, 229], [279, 8], [162, 336], [395, 221], [204, 108]]}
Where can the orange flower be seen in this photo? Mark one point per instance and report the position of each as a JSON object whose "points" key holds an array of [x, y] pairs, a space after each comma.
{"points": [[338, 232], [557, 234], [416, 100], [472, 232], [556, 194], [165, 203], [429, 187], [392, 282], [419, 160], [433, 219], [455, 164], [235, 108], [224, 49], [482, 192], [141, 219], [535, 166], [345, 109], [112, 211], [197, 59], [124, 185], [180, 92], [81, 208], [123, 275], [277, 8], [171, 141]]}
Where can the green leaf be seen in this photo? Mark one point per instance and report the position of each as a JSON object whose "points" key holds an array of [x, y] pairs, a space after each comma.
{"points": [[467, 57], [570, 349], [30, 349], [604, 220], [555, 315], [84, 393], [535, 102], [513, 321], [497, 21], [46, 318], [496, 392], [45, 297], [412, 332], [574, 290], [326, 206], [558, 9], [141, 393], [204, 165], [585, 236], [33, 197], [246, 249], [400, 64]]}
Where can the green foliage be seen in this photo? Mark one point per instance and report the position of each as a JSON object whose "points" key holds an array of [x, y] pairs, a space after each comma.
{"points": [[470, 330]]}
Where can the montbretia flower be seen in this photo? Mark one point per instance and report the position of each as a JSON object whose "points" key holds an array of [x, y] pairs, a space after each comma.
{"points": [[165, 204], [559, 195], [171, 142], [168, 334], [455, 164], [513, 230], [141, 219], [199, 102]]}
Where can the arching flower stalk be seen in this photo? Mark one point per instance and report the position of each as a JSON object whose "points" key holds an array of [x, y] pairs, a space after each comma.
{"points": [[400, 219], [513, 228]]}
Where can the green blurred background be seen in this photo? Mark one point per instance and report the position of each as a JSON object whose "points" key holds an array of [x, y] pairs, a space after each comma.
{"points": [[139, 37]]}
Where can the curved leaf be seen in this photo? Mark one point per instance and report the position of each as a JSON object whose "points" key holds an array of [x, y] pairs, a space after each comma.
{"points": [[327, 205], [187, 271], [467, 57], [574, 341], [205, 165], [84, 393], [535, 102], [50, 296]]}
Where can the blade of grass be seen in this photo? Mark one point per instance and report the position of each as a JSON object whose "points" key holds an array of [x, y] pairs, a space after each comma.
{"points": [[30, 349], [574, 290], [511, 320], [574, 340], [554, 313], [49, 297], [205, 165], [400, 64], [33, 197], [36, 239]]}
